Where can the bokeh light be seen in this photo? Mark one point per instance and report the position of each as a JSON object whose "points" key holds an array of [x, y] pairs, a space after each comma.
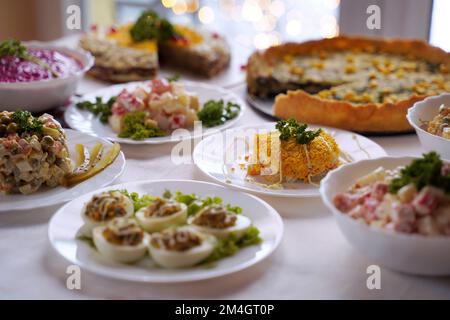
{"points": [[206, 15]]}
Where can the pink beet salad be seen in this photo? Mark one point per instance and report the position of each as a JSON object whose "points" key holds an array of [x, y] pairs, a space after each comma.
{"points": [[41, 64]]}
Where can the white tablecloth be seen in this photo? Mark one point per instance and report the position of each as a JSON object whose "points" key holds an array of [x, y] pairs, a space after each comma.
{"points": [[314, 261]]}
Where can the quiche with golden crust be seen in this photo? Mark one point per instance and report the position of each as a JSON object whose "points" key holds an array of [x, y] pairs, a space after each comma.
{"points": [[354, 83]]}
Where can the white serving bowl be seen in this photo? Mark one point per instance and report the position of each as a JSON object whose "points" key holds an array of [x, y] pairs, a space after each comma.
{"points": [[41, 95], [414, 254], [426, 110]]}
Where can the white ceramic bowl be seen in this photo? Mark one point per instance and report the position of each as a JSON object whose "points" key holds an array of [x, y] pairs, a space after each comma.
{"points": [[426, 110], [414, 254], [41, 95]]}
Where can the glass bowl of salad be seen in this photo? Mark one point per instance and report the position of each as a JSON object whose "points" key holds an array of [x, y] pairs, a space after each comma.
{"points": [[431, 120], [396, 211], [38, 75]]}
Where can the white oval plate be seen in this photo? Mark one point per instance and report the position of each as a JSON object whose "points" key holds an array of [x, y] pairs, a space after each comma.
{"points": [[52, 196], [209, 156], [67, 221], [85, 121]]}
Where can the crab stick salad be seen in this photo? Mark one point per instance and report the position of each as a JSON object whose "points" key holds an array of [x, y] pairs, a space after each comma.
{"points": [[33, 152], [414, 199], [157, 108], [177, 231]]}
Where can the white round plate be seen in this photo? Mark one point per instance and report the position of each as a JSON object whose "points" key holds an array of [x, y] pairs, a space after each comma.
{"points": [[67, 221], [222, 158], [85, 121], [52, 196]]}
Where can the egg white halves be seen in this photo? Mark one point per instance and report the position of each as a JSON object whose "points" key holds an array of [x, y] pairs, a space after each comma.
{"points": [[180, 248], [103, 208], [121, 240], [154, 219], [217, 221]]}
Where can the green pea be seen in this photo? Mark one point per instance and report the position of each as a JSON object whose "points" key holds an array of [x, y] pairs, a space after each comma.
{"points": [[11, 128]]}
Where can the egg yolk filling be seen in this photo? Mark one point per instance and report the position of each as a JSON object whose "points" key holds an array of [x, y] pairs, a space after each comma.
{"points": [[123, 233], [216, 217], [162, 208], [176, 240], [105, 207]]}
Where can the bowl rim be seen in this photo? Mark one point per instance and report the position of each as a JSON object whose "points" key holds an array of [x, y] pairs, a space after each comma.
{"points": [[87, 61], [420, 104], [380, 231]]}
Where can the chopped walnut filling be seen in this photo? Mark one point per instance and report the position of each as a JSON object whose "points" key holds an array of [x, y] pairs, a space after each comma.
{"points": [[106, 206], [176, 240], [123, 232], [215, 217], [162, 208]]}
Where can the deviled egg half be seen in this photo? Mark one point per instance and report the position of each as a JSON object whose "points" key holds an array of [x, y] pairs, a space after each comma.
{"points": [[121, 240], [104, 207], [219, 222], [180, 247], [161, 214]]}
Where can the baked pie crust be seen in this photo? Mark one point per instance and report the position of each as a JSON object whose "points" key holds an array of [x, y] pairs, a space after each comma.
{"points": [[355, 83]]}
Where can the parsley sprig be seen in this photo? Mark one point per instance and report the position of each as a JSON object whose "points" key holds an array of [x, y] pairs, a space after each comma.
{"points": [[15, 48], [151, 26], [292, 129], [216, 112], [98, 108], [26, 122], [426, 171]]}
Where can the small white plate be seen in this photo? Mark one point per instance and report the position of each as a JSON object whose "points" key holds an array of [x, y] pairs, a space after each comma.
{"points": [[67, 221], [209, 156], [85, 121], [52, 196]]}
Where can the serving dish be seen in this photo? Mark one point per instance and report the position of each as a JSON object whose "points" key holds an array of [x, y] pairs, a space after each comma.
{"points": [[224, 157], [85, 121], [423, 112], [65, 226], [51, 196], [45, 94], [409, 253]]}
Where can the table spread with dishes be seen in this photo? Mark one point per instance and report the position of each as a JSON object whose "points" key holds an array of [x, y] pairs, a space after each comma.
{"points": [[163, 161]]}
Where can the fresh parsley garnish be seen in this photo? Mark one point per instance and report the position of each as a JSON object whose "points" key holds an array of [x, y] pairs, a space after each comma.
{"points": [[426, 171], [135, 127], [98, 108], [151, 26], [15, 48], [139, 201], [228, 246], [292, 129], [26, 122], [174, 78], [215, 112], [195, 203]]}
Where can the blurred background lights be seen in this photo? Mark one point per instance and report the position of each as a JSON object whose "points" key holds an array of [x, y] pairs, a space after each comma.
{"points": [[180, 7], [294, 27], [168, 3], [206, 15], [277, 8], [262, 23], [328, 26], [251, 11]]}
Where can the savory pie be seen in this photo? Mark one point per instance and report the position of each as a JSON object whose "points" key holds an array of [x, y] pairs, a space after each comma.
{"points": [[131, 53], [360, 84]]}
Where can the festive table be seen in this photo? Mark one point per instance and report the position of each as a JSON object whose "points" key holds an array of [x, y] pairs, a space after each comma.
{"points": [[314, 261]]}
